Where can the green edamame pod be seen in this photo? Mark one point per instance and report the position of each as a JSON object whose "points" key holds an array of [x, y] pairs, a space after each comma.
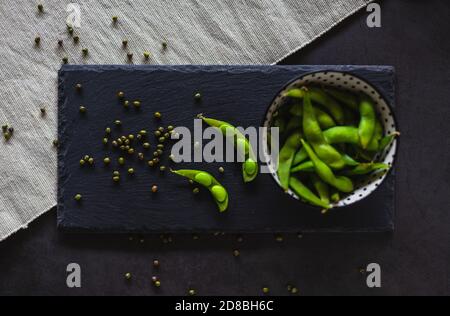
{"points": [[300, 156], [335, 196], [250, 166], [205, 179], [349, 161], [367, 122], [306, 166], [325, 120], [374, 144], [286, 157], [366, 168], [350, 135], [387, 140], [323, 99], [306, 194], [342, 134], [314, 135], [321, 188], [346, 98], [341, 183]]}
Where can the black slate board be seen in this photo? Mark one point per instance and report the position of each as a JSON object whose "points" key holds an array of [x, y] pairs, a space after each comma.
{"points": [[238, 94]]}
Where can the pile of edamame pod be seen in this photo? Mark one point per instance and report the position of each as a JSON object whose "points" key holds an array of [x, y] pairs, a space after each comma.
{"points": [[330, 139]]}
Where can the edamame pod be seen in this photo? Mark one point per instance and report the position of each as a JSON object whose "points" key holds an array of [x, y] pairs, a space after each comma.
{"points": [[341, 183], [321, 188], [306, 194], [250, 166], [366, 168], [387, 140], [346, 98], [205, 179], [325, 120], [306, 166], [350, 135], [300, 156], [286, 157], [367, 122], [323, 99], [314, 135]]}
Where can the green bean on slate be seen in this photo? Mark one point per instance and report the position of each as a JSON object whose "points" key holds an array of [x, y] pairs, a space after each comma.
{"points": [[367, 123], [306, 194], [341, 183], [250, 165], [314, 135], [205, 179], [366, 168], [335, 196], [286, 157], [322, 188]]}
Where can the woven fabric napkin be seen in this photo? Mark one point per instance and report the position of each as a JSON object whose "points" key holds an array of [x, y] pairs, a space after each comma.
{"points": [[196, 32]]}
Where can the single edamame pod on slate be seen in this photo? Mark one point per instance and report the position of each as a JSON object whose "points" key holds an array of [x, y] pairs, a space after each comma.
{"points": [[366, 168], [321, 188], [320, 97], [341, 183], [313, 133], [205, 179], [250, 165], [286, 157], [306, 166], [367, 122], [306, 194]]}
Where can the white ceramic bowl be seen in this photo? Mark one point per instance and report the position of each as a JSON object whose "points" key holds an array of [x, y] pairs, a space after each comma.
{"points": [[349, 82]]}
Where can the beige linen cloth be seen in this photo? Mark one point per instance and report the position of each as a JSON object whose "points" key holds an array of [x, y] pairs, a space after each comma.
{"points": [[197, 32]]}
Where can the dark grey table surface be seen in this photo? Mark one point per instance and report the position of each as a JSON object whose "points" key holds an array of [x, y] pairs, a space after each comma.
{"points": [[414, 259]]}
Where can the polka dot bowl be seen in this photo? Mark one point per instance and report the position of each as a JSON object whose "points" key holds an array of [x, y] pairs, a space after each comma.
{"points": [[347, 82]]}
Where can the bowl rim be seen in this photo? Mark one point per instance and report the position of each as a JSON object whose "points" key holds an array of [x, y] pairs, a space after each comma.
{"points": [[394, 117]]}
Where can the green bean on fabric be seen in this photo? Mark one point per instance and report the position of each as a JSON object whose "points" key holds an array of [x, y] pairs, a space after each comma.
{"points": [[320, 97], [205, 179], [321, 188], [250, 166], [315, 137], [306, 166], [286, 157], [367, 122], [366, 168], [341, 183], [306, 194]]}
